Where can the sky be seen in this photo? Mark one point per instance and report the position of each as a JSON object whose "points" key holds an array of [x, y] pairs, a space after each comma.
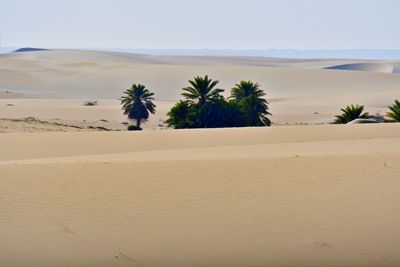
{"points": [[194, 24]]}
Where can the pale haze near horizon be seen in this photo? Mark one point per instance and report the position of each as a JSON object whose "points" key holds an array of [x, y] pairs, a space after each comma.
{"points": [[223, 24]]}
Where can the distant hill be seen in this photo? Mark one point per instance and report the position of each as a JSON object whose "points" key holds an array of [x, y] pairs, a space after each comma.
{"points": [[366, 54], [29, 49], [374, 54], [371, 66]]}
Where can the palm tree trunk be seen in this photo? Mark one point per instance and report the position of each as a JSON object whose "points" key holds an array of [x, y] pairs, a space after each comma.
{"points": [[138, 123]]}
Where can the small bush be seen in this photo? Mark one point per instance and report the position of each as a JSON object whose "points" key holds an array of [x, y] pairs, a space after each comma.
{"points": [[90, 103], [134, 128]]}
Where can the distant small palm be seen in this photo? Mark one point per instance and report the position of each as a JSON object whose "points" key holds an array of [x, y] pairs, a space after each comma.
{"points": [[351, 113], [137, 103], [202, 90], [395, 114]]}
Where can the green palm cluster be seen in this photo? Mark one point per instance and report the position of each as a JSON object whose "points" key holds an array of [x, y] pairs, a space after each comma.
{"points": [[205, 107]]}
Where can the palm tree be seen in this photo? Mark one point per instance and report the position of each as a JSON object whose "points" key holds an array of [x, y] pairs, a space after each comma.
{"points": [[351, 113], [395, 114], [245, 89], [255, 111], [137, 103], [202, 90], [255, 107]]}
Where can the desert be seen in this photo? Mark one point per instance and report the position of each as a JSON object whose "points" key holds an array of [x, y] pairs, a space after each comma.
{"points": [[52, 85], [199, 133], [77, 189]]}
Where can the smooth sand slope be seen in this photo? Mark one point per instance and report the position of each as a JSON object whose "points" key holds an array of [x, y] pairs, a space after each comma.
{"points": [[82, 74], [292, 196], [299, 90]]}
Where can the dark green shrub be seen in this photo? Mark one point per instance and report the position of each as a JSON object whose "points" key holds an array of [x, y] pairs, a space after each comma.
{"points": [[351, 113], [394, 115]]}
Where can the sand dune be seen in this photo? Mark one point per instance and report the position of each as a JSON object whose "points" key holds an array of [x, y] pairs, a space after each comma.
{"points": [[81, 74], [30, 146], [105, 56], [283, 195], [293, 195], [299, 90], [372, 67], [105, 81]]}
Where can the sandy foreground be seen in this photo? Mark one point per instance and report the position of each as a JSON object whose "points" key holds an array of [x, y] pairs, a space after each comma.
{"points": [[288, 196]]}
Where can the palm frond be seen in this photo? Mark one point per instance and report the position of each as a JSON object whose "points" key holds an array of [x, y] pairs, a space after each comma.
{"points": [[201, 90], [351, 113], [395, 111]]}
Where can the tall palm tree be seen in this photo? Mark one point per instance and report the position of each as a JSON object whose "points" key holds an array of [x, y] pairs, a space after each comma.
{"points": [[250, 97], [202, 90], [395, 114], [351, 113], [137, 103]]}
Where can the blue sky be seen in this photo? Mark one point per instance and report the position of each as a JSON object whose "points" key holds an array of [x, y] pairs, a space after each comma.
{"points": [[193, 24]]}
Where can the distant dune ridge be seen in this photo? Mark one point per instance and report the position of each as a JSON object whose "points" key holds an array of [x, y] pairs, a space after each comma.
{"points": [[374, 54], [372, 67], [29, 49], [216, 60]]}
